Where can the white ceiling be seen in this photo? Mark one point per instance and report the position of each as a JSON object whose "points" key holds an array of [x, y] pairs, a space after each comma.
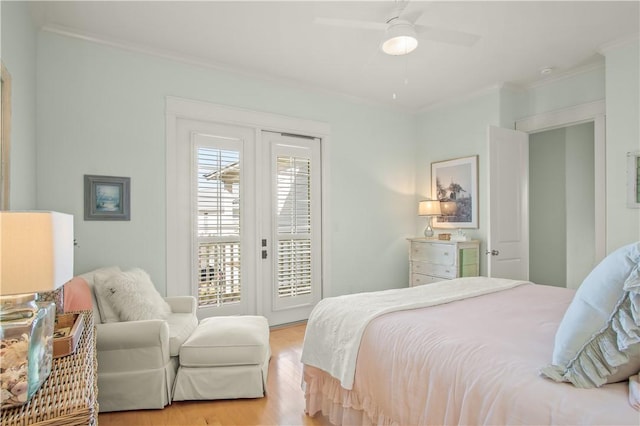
{"points": [[281, 41]]}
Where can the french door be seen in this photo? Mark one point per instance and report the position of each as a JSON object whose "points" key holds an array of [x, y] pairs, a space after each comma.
{"points": [[255, 214], [292, 222]]}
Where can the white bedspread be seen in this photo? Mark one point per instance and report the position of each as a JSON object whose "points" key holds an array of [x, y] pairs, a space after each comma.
{"points": [[336, 324]]}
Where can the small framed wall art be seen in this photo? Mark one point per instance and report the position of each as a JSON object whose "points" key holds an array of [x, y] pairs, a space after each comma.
{"points": [[455, 184], [107, 198]]}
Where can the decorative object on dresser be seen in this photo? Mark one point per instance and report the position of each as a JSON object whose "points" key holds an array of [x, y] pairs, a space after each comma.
{"points": [[69, 396], [66, 333], [429, 208], [455, 184], [437, 260], [37, 255]]}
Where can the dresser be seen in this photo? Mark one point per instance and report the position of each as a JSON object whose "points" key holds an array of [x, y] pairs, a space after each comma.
{"points": [[436, 260]]}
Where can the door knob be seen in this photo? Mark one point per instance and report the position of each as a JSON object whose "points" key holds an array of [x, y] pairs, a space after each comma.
{"points": [[493, 252]]}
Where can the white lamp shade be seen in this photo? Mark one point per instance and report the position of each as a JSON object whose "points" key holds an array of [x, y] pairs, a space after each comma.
{"points": [[400, 39], [429, 208], [448, 207], [36, 251]]}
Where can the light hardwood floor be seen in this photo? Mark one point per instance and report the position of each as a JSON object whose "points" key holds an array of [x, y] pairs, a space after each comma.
{"points": [[283, 404]]}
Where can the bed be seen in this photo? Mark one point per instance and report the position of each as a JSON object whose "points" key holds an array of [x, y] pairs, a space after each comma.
{"points": [[474, 358]]}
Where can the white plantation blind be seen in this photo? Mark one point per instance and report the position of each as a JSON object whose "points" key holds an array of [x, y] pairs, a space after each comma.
{"points": [[218, 192], [294, 267], [293, 198], [218, 226], [294, 195]]}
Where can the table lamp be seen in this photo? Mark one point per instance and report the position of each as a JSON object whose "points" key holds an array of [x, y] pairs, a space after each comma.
{"points": [[36, 255], [448, 207], [429, 208]]}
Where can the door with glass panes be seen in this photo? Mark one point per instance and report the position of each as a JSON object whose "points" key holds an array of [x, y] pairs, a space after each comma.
{"points": [[291, 270], [256, 223]]}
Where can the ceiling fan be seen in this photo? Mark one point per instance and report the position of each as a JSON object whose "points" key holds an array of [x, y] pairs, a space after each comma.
{"points": [[402, 32]]}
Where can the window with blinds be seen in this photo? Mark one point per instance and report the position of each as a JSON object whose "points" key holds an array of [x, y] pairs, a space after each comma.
{"points": [[293, 198], [218, 226]]}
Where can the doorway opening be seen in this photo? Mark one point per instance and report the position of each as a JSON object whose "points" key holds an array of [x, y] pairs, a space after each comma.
{"points": [[561, 205], [566, 185]]}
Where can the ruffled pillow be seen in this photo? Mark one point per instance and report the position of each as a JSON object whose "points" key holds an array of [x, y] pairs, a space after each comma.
{"points": [[133, 296], [598, 340]]}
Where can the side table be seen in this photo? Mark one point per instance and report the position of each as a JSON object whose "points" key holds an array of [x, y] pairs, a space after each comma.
{"points": [[69, 395]]}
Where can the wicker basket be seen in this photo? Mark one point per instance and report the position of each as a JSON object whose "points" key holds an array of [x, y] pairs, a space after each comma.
{"points": [[69, 395]]}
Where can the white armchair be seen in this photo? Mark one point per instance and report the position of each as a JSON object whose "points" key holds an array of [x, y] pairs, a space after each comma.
{"points": [[138, 360]]}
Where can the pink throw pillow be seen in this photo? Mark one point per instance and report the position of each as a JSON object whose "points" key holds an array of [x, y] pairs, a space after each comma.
{"points": [[77, 295]]}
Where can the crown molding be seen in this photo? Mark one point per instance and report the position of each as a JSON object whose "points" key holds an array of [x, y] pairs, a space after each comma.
{"points": [[621, 42], [454, 100], [217, 66], [566, 74]]}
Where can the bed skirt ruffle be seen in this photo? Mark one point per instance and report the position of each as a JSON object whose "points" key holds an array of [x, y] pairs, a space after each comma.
{"points": [[323, 394]]}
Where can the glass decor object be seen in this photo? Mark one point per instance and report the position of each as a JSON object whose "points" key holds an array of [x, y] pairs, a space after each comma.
{"points": [[37, 256], [56, 296], [26, 347]]}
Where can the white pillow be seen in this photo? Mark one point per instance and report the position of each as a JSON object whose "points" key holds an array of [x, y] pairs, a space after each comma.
{"points": [[96, 280], [133, 296], [598, 339]]}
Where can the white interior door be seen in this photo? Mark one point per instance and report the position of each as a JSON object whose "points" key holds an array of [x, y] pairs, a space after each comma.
{"points": [[291, 246], [508, 242]]}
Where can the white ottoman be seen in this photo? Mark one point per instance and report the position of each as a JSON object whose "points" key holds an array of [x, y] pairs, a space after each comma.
{"points": [[224, 358]]}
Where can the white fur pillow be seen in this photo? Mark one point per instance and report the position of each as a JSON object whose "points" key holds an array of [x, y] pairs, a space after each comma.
{"points": [[97, 280], [133, 296]]}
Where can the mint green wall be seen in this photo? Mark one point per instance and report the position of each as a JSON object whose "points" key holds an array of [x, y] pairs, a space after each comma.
{"points": [[102, 111], [580, 232], [623, 135], [561, 194], [19, 57], [513, 105], [547, 208], [453, 131], [459, 129], [554, 94]]}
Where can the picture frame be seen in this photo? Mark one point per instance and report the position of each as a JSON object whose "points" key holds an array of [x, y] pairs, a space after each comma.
{"points": [[5, 135], [633, 180], [107, 198], [455, 183]]}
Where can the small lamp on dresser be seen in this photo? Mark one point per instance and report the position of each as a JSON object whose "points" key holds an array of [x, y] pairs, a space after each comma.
{"points": [[429, 208], [36, 255]]}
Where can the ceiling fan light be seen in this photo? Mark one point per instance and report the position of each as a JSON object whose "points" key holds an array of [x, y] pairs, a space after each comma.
{"points": [[399, 45], [400, 39]]}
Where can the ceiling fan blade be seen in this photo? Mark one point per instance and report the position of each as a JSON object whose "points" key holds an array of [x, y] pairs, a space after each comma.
{"points": [[411, 16], [446, 36], [350, 23]]}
